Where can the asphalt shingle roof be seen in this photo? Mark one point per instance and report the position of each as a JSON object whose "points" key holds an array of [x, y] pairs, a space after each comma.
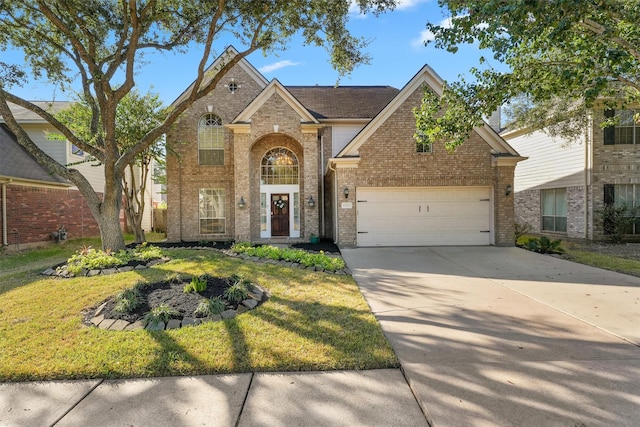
{"points": [[344, 102], [16, 162]]}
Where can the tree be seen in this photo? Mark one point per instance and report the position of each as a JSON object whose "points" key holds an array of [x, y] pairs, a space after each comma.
{"points": [[564, 57], [102, 43], [136, 115]]}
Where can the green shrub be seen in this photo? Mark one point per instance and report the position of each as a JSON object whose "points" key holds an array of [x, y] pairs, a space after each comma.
{"points": [[616, 221], [210, 307], [197, 285], [544, 245], [92, 259], [291, 255], [161, 313], [145, 252]]}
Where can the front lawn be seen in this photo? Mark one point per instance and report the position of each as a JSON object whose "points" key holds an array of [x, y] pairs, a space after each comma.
{"points": [[312, 321]]}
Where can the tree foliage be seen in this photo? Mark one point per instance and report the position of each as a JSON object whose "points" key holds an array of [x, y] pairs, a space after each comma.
{"points": [[564, 57], [102, 44], [136, 115]]}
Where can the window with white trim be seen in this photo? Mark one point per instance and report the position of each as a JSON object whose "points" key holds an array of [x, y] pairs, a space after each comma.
{"points": [[210, 140], [554, 209], [211, 211]]}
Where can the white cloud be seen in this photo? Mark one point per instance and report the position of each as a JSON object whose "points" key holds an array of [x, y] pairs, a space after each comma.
{"points": [[406, 4], [277, 65], [354, 9], [426, 35]]}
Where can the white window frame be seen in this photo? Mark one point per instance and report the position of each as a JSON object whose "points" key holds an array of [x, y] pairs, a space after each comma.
{"points": [[216, 211], [210, 137]]}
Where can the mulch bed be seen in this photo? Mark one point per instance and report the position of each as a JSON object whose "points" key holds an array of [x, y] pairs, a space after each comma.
{"points": [[172, 294]]}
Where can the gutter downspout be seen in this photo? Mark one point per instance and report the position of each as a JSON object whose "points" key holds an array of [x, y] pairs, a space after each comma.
{"points": [[335, 204], [587, 177], [321, 201], [179, 197], [5, 238]]}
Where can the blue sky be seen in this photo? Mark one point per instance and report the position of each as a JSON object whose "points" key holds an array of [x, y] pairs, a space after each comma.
{"points": [[397, 53]]}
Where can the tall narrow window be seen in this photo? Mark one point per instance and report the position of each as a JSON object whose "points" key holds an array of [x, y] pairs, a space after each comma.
{"points": [[554, 209], [211, 211], [210, 140]]}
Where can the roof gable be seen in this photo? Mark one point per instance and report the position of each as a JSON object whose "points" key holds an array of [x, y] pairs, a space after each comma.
{"points": [[17, 163], [426, 76], [275, 88], [23, 115], [229, 53]]}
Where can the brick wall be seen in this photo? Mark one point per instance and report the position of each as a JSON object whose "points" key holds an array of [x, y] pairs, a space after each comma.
{"points": [[37, 212], [389, 159], [240, 174], [612, 164], [185, 177]]}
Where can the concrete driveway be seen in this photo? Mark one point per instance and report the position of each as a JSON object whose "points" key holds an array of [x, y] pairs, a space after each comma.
{"points": [[505, 337]]}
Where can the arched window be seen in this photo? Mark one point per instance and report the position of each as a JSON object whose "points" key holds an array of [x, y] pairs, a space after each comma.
{"points": [[279, 166], [210, 140]]}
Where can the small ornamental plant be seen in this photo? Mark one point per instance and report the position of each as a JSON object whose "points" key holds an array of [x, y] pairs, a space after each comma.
{"points": [[162, 313], [197, 285]]}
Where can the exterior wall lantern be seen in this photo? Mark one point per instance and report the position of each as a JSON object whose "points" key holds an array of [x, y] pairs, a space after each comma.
{"points": [[241, 203], [345, 191], [507, 190], [311, 202]]}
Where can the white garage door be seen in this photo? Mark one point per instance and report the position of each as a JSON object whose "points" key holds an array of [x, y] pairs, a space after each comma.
{"points": [[434, 216]]}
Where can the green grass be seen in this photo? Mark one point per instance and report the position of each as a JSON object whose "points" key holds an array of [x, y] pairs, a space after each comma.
{"points": [[580, 254], [608, 262], [313, 321]]}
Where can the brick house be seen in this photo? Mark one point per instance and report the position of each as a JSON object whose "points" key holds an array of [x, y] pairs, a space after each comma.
{"points": [[36, 203], [258, 161], [36, 208], [564, 184]]}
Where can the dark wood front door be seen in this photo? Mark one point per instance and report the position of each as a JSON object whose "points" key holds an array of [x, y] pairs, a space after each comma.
{"points": [[279, 214]]}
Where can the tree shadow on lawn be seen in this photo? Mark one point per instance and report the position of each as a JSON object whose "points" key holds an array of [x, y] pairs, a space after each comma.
{"points": [[280, 335]]}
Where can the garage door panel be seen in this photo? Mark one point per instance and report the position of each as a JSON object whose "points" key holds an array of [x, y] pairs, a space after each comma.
{"points": [[424, 216]]}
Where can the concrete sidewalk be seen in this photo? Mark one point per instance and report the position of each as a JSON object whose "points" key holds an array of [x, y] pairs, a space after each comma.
{"points": [[500, 336], [340, 398]]}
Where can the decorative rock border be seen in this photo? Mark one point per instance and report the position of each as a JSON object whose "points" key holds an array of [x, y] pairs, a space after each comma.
{"points": [[256, 297], [62, 270]]}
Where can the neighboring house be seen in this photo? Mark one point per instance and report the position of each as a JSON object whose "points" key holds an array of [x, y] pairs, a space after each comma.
{"points": [[563, 186], [36, 203], [34, 208], [262, 162]]}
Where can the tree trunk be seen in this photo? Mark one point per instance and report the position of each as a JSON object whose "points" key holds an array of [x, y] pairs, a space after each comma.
{"points": [[109, 223]]}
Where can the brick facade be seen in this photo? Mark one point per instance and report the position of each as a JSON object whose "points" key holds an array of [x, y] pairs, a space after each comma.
{"points": [[389, 159], [33, 213], [240, 175], [612, 164]]}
